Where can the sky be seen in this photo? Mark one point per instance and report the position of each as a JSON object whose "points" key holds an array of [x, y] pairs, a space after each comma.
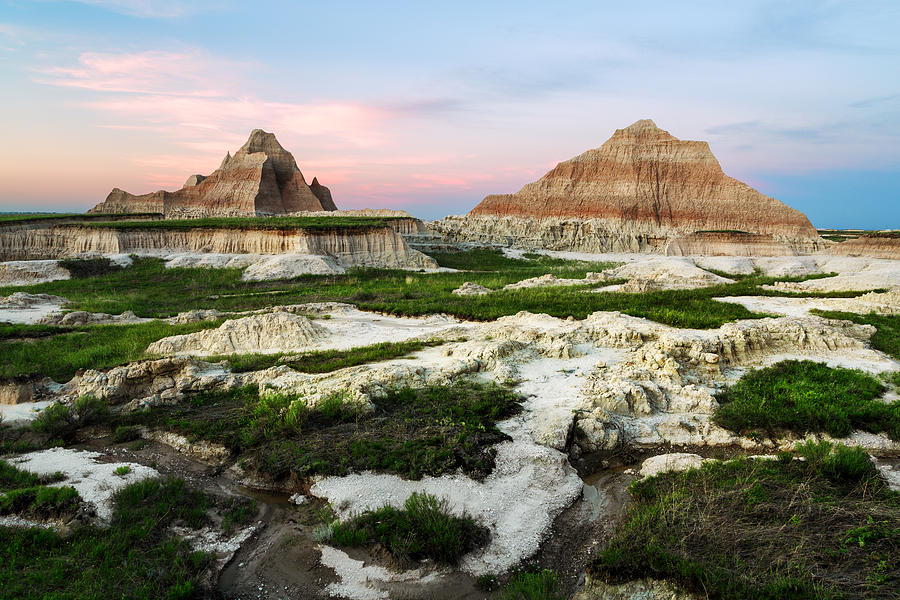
{"points": [[428, 107]]}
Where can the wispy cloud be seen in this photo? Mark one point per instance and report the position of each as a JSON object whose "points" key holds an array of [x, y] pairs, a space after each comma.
{"points": [[157, 9], [186, 73]]}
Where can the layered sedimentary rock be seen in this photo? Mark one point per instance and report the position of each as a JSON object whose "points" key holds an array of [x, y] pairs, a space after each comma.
{"points": [[376, 246], [721, 243], [262, 178], [636, 192], [876, 245]]}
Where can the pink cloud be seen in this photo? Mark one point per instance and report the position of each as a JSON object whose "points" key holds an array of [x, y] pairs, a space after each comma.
{"points": [[187, 73]]}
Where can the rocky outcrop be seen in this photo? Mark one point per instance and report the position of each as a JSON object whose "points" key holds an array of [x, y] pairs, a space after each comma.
{"points": [[635, 193], [323, 194], [875, 245], [734, 243], [278, 330], [261, 178], [639, 589], [27, 272], [376, 246]]}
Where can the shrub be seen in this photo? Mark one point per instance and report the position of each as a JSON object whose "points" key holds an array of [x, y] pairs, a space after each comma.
{"points": [[122, 471], [533, 585], [53, 420], [424, 528], [126, 433], [837, 462], [89, 267]]}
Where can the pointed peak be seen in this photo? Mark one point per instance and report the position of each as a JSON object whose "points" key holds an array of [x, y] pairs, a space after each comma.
{"points": [[315, 181], [262, 141], [225, 160], [644, 130]]}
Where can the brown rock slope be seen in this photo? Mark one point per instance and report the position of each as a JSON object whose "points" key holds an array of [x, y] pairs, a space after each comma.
{"points": [[646, 179], [262, 178]]}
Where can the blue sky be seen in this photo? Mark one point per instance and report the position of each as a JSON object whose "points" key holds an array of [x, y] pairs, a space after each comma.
{"points": [[430, 107]]}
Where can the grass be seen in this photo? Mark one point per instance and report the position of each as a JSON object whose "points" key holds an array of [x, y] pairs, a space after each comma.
{"points": [[14, 478], [324, 361], [248, 223], [137, 556], [28, 495], [825, 527], [61, 352], [412, 432], [807, 397], [10, 218], [423, 529], [886, 339], [151, 290], [533, 585]]}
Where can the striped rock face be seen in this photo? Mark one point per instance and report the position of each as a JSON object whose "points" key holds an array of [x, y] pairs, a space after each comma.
{"points": [[644, 175], [262, 178]]}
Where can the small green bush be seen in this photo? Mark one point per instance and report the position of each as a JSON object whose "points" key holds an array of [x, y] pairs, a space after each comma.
{"points": [[424, 528], [89, 267], [122, 471], [533, 585], [837, 462], [126, 433], [53, 420]]}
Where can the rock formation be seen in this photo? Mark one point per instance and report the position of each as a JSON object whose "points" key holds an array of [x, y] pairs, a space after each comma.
{"points": [[877, 245], [262, 178], [376, 246], [639, 190]]}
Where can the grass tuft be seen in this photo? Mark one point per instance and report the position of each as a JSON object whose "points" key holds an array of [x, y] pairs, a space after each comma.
{"points": [[423, 529]]}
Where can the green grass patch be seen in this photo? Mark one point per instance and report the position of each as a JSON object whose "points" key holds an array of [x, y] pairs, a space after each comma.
{"points": [[67, 350], [324, 361], [247, 223], [423, 529], [494, 261], [21, 218], [137, 556], [40, 502], [14, 478], [763, 529], [533, 585], [412, 432], [150, 290], [807, 397], [886, 339]]}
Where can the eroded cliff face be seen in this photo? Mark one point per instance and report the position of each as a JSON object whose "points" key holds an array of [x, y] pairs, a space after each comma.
{"points": [[262, 178], [720, 243], [879, 245], [375, 246], [639, 190]]}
